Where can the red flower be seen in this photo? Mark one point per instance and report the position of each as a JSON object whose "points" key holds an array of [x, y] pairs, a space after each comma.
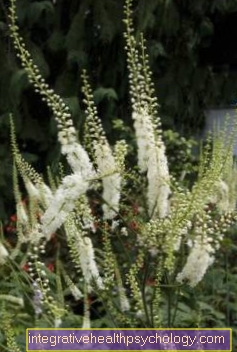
{"points": [[133, 225], [10, 228], [135, 209], [151, 282], [13, 218], [25, 267], [51, 267]]}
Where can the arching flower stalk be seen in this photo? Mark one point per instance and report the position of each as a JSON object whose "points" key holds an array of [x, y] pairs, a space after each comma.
{"points": [[151, 150], [108, 168]]}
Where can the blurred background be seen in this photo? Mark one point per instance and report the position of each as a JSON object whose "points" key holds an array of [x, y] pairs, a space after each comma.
{"points": [[193, 57]]}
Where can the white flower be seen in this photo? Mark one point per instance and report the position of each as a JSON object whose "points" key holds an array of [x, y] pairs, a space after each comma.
{"points": [[22, 217], [221, 197], [63, 202], [145, 137], [199, 260], [124, 303], [111, 179], [152, 158], [153, 251], [40, 192], [87, 260], [3, 254], [57, 322], [124, 231], [88, 220], [32, 190], [46, 194], [223, 203], [78, 159], [83, 246], [13, 299], [77, 294], [115, 224], [158, 182]]}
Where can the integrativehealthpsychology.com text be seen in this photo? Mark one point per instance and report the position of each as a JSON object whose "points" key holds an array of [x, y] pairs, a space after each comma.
{"points": [[128, 339]]}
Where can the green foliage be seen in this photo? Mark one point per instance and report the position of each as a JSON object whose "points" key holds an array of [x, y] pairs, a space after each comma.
{"points": [[181, 154]]}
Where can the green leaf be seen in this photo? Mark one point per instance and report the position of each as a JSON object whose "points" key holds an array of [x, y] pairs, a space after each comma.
{"points": [[19, 83], [77, 56], [76, 31], [38, 9], [73, 105], [39, 60], [102, 93], [30, 158], [56, 42], [206, 27], [157, 50]]}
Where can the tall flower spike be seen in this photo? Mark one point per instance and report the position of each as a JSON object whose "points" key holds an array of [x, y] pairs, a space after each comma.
{"points": [[67, 136], [106, 162], [199, 260], [63, 202], [82, 251], [151, 149], [34, 183]]}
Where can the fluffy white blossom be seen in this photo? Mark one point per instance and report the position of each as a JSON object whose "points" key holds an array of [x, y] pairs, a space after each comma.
{"points": [[78, 159], [87, 260], [63, 202], [221, 197], [77, 294], [198, 261], [152, 158], [40, 192], [32, 190], [158, 182], [84, 249], [3, 254], [67, 133], [46, 194], [124, 302], [13, 299], [124, 231], [111, 179], [22, 217], [145, 137]]}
